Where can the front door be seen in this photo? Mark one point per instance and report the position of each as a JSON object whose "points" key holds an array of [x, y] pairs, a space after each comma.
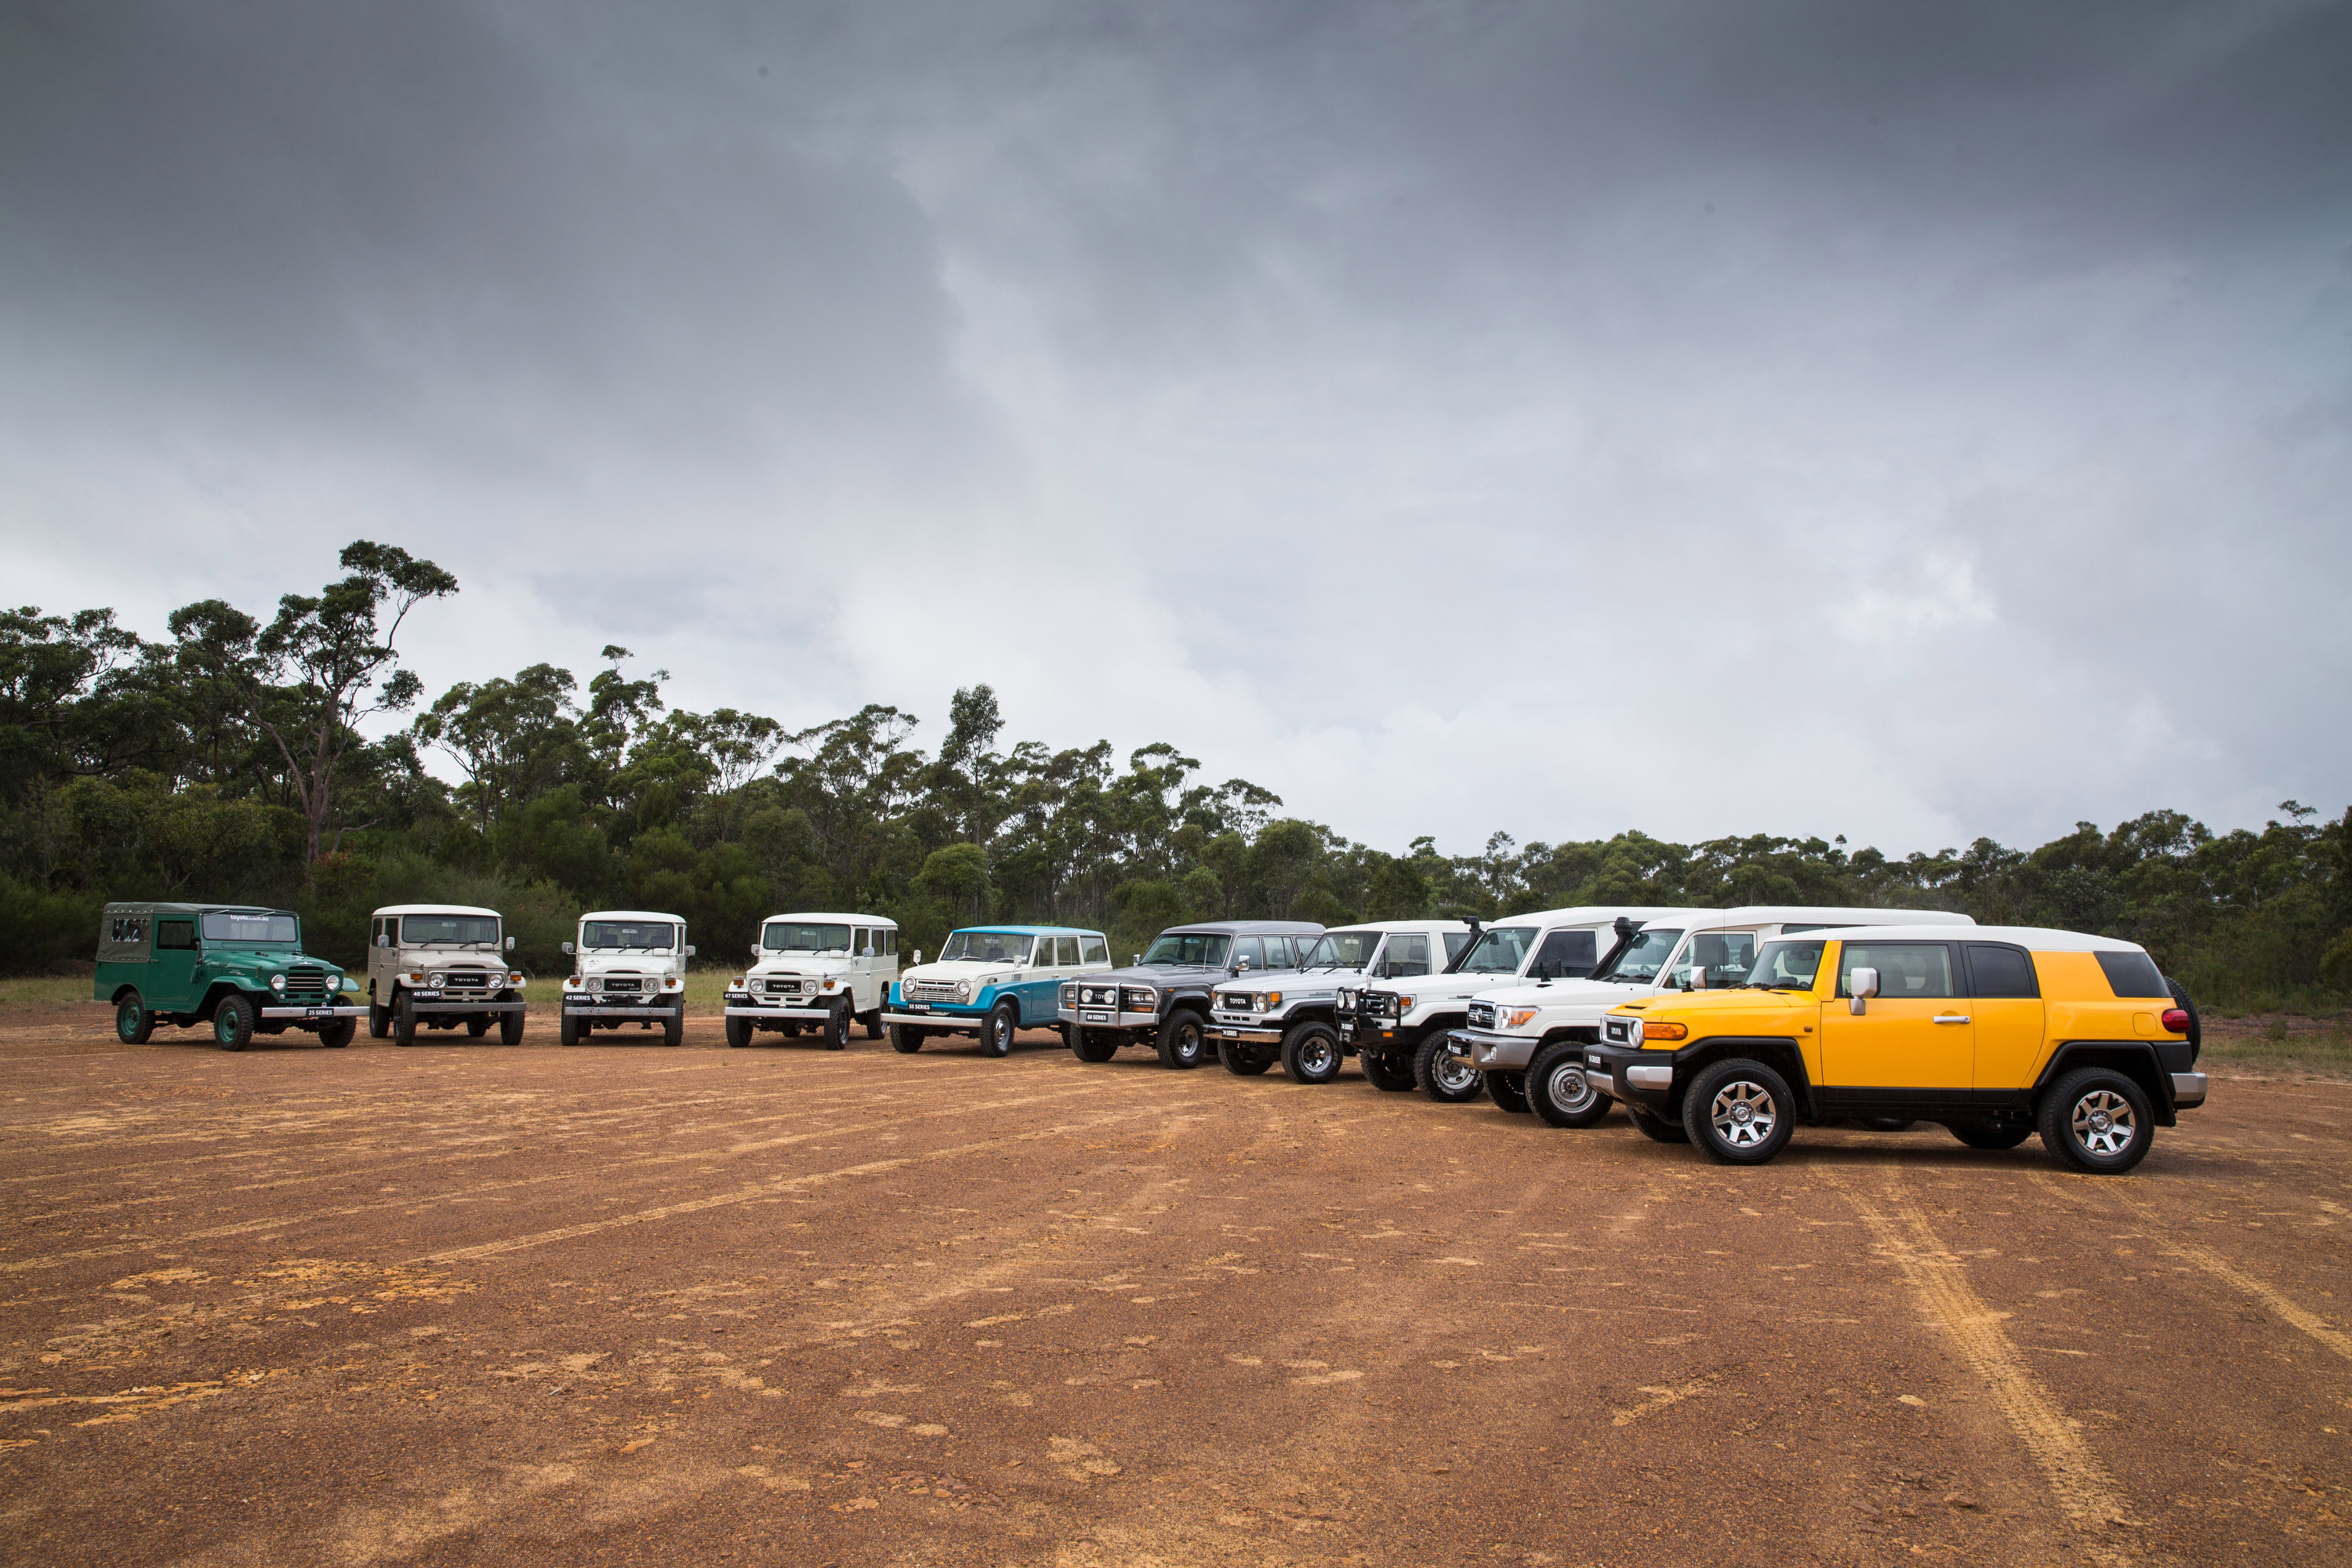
{"points": [[1916, 1034], [170, 978]]}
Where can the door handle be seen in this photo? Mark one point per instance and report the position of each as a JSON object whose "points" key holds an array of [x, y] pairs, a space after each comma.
{"points": [[1951, 1017]]}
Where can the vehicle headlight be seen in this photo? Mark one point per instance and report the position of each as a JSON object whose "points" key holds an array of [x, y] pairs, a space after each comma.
{"points": [[1519, 1020], [1266, 1002], [277, 983], [1139, 1001], [1069, 995], [438, 978], [963, 990]]}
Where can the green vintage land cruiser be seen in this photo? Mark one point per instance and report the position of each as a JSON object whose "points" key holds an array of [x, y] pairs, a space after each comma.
{"points": [[238, 969]]}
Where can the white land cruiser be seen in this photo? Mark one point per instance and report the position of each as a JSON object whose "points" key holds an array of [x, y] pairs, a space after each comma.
{"points": [[815, 969], [1292, 1016], [441, 965], [629, 967], [1399, 1030], [1528, 1041]]}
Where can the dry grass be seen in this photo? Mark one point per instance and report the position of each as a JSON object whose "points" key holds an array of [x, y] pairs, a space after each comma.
{"points": [[42, 991], [2278, 1044]]}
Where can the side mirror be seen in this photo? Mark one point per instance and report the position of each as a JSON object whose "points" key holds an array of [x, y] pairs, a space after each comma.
{"points": [[755, 953], [690, 950], [862, 953], [1698, 977], [1240, 966], [510, 944], [569, 949], [1860, 984], [1138, 958], [918, 955], [384, 939]]}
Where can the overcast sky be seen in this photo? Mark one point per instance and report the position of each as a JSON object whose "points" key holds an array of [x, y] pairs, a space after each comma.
{"points": [[1914, 421]]}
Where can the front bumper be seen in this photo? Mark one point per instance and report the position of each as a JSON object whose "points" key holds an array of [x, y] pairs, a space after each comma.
{"points": [[1244, 1030], [1490, 1052], [444, 1005], [2187, 1090], [1637, 1077], [936, 1016], [581, 1008], [1106, 1018], [322, 1015]]}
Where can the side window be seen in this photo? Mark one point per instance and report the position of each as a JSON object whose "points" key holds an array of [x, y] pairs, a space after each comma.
{"points": [[1566, 955], [2133, 975], [1094, 948], [1456, 943], [1278, 953], [2001, 972], [1065, 952], [1725, 955], [178, 936], [1408, 954], [1246, 950], [858, 937], [1906, 971]]}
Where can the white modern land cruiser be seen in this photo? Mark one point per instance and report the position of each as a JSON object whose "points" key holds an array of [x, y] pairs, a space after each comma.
{"points": [[1291, 1016], [441, 965], [1528, 1041], [1399, 1030], [815, 969], [628, 966]]}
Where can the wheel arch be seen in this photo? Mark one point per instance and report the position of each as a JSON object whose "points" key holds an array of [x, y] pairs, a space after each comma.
{"points": [[1777, 1052], [2135, 1059], [127, 990], [222, 989]]}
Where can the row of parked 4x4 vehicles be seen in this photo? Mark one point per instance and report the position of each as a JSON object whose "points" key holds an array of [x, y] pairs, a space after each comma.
{"points": [[1720, 1027]]}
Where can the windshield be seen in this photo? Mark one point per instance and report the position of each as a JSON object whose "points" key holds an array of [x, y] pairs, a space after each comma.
{"points": [[1715, 958], [252, 928], [794, 936], [646, 936], [1642, 959], [1343, 950], [1205, 950], [985, 947], [1786, 965], [424, 931], [1500, 951]]}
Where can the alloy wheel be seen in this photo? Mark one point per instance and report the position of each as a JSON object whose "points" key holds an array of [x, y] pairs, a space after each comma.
{"points": [[1743, 1113], [2104, 1123]]}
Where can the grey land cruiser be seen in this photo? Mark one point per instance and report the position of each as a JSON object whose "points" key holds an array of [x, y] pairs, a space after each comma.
{"points": [[1163, 1001]]}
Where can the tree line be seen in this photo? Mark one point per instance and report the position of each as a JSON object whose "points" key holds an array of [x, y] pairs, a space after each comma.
{"points": [[230, 759]]}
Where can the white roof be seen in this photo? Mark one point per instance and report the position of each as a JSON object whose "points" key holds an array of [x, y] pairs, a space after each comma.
{"points": [[434, 909], [1398, 925], [631, 915], [2034, 939], [1809, 914], [1598, 915], [822, 919]]}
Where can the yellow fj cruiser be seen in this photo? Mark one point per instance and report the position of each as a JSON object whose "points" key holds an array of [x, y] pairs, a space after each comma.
{"points": [[1996, 1032]]}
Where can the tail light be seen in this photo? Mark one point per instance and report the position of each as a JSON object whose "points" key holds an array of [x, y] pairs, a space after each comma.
{"points": [[2176, 1020]]}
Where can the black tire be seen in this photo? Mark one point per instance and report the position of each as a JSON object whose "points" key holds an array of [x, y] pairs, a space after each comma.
{"points": [[1438, 1074], [1989, 1137], [1739, 1112], [873, 1022], [2098, 1121], [133, 1025], [1508, 1091], [1073, 1037], [1311, 1053], [836, 1027], [233, 1024], [404, 1020], [1183, 1043], [1097, 1047], [1385, 1072], [739, 1032], [906, 1039], [1656, 1129], [1242, 1060], [338, 1035], [379, 1020], [2196, 1025], [674, 1027], [1558, 1092], [510, 1026], [568, 1030], [996, 1033], [477, 1025]]}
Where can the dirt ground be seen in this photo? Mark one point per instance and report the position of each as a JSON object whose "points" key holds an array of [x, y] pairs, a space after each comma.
{"points": [[467, 1303]]}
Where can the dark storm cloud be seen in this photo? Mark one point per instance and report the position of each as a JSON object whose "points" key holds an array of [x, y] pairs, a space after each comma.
{"points": [[1969, 381]]}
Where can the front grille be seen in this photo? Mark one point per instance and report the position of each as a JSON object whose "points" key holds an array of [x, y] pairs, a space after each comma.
{"points": [[306, 984], [784, 987], [1619, 1031], [467, 980], [931, 990], [628, 983], [1482, 1015], [1236, 1001]]}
